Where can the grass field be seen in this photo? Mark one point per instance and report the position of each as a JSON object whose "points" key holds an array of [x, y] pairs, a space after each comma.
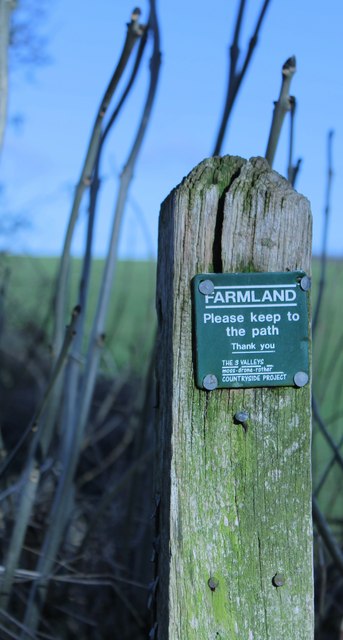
{"points": [[327, 383], [28, 288], [28, 301]]}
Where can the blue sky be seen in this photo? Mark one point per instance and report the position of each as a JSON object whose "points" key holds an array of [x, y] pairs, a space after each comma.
{"points": [[42, 158]]}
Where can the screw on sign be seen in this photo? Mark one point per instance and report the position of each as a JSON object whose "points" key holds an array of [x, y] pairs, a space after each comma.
{"points": [[213, 583], [206, 287], [300, 379], [210, 382], [242, 417], [278, 580], [305, 283]]}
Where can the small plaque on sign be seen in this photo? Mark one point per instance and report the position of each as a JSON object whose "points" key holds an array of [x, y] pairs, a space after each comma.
{"points": [[251, 329]]}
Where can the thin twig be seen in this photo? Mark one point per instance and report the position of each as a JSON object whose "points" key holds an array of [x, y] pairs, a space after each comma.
{"points": [[323, 265], [281, 107], [234, 49], [94, 579], [236, 77], [293, 169]]}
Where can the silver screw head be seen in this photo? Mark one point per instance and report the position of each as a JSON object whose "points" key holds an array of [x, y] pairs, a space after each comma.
{"points": [[300, 379], [305, 283], [278, 580], [206, 287], [213, 583], [210, 382], [241, 416]]}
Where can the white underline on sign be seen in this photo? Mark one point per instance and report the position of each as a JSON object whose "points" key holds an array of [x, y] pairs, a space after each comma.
{"points": [[255, 286], [244, 352], [232, 366], [274, 373], [248, 306], [258, 373]]}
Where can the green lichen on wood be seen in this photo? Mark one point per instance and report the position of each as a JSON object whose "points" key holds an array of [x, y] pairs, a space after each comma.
{"points": [[237, 503], [236, 500]]}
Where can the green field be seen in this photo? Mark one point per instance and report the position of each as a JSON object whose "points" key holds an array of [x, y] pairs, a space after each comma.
{"points": [[327, 383], [28, 304], [28, 288]]}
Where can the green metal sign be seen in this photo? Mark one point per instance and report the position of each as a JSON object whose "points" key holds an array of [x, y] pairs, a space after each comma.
{"points": [[251, 329]]}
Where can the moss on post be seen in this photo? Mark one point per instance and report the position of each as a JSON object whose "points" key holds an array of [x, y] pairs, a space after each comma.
{"points": [[235, 558]]}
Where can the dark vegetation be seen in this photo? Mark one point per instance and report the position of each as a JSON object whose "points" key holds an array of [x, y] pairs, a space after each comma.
{"points": [[100, 581]]}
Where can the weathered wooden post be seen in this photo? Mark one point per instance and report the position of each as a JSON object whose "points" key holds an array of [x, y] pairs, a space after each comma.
{"points": [[233, 486]]}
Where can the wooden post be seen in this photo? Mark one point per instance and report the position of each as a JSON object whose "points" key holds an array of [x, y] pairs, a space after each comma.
{"points": [[233, 523]]}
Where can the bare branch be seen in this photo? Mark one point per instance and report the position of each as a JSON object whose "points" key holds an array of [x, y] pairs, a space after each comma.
{"points": [[281, 107], [133, 32], [236, 77], [322, 279], [234, 49], [253, 42], [109, 270], [293, 169], [61, 506], [71, 382]]}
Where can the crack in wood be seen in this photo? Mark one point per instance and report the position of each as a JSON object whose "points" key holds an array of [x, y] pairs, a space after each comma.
{"points": [[217, 241]]}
